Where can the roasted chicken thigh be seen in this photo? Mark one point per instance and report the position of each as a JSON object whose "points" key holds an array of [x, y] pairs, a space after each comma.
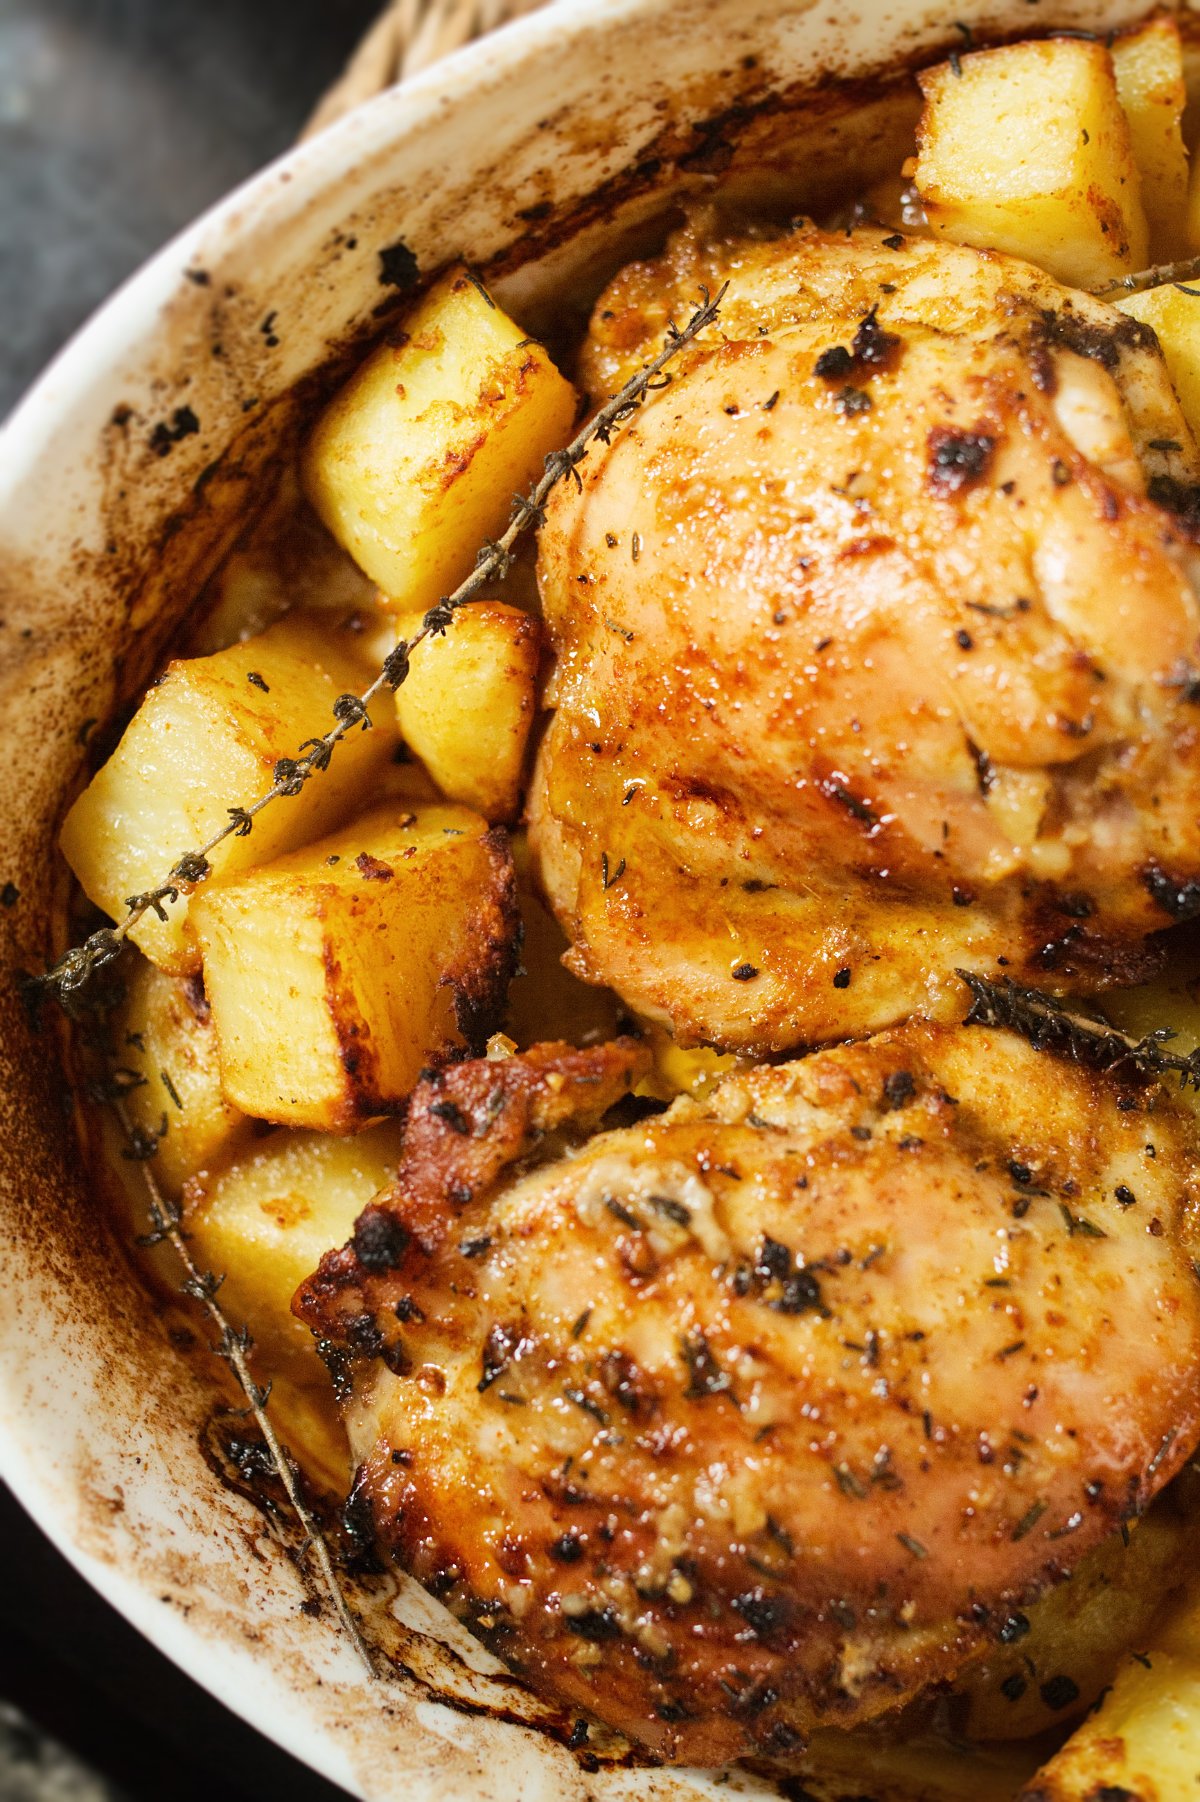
{"points": [[876, 642], [769, 1411]]}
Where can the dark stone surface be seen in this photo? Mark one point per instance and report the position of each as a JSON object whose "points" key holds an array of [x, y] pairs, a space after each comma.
{"points": [[35, 1768], [119, 121], [82, 1676]]}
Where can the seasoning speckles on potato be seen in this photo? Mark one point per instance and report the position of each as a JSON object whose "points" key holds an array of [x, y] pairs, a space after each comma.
{"points": [[1027, 149], [469, 702], [336, 974], [207, 736], [416, 460]]}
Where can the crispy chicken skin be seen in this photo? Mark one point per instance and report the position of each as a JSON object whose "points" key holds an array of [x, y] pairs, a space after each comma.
{"points": [[873, 656], [768, 1411]]}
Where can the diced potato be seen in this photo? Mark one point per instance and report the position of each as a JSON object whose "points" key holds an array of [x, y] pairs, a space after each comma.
{"points": [[1081, 1630], [307, 1420], [207, 738], [545, 1000], [415, 462], [264, 1221], [468, 703], [163, 1032], [285, 559], [1148, 64], [1174, 315], [1026, 149], [242, 600], [1144, 1739], [1170, 1000], [337, 973]]}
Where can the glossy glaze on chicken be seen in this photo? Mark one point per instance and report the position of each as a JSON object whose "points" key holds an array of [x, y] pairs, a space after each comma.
{"points": [[770, 1411], [873, 657]]}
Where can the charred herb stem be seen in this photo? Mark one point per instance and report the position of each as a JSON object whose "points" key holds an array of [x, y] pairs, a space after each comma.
{"points": [[233, 1345], [1048, 1026], [1161, 273], [69, 976]]}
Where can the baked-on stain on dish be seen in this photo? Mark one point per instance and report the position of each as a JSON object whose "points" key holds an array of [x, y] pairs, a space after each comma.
{"points": [[79, 563]]}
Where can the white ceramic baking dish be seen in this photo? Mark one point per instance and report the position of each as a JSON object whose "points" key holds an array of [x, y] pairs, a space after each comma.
{"points": [[543, 155]]}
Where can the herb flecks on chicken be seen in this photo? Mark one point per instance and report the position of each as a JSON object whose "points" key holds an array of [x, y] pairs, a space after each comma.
{"points": [[768, 1411], [874, 656]]}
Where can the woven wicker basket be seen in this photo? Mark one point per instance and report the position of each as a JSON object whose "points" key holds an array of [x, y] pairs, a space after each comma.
{"points": [[407, 36]]}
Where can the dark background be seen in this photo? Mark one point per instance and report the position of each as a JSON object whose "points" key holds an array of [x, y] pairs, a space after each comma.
{"points": [[120, 120]]}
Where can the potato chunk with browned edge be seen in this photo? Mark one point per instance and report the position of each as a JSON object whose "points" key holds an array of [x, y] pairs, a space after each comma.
{"points": [[206, 738], [469, 701], [163, 1033], [266, 1220], [1142, 1741], [415, 462], [284, 559], [1026, 149], [1148, 64], [1076, 1636], [336, 973], [262, 1222], [1173, 313]]}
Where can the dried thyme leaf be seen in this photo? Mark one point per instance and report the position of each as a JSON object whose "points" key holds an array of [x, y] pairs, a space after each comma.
{"points": [[1029, 1520], [1048, 1026], [73, 971]]}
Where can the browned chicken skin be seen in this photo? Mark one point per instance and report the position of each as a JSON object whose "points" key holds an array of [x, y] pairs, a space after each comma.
{"points": [[768, 1411], [873, 657]]}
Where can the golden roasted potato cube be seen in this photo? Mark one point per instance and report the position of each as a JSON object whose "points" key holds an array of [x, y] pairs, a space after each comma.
{"points": [[1144, 1738], [163, 1032], [546, 1000], [206, 738], [337, 973], [416, 461], [1079, 1631], [468, 703], [283, 560], [1148, 64], [265, 1220], [1026, 149], [1174, 315]]}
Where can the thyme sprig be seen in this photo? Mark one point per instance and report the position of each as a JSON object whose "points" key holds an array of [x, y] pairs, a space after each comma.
{"points": [[233, 1345], [70, 975], [1048, 1025], [1155, 277]]}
